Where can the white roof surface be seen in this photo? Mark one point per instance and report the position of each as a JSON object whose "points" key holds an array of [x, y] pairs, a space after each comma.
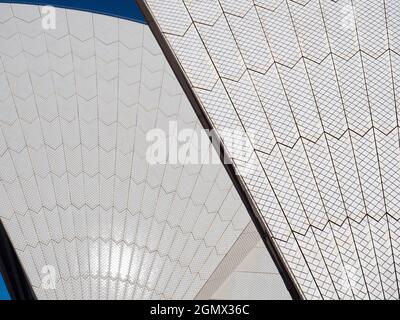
{"points": [[315, 86], [76, 191]]}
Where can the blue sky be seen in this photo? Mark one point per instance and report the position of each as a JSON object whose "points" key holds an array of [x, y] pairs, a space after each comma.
{"points": [[3, 290]]}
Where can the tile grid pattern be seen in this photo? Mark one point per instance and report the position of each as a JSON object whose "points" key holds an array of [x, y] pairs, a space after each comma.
{"points": [[314, 85], [237, 253], [254, 278], [76, 190], [250, 257]]}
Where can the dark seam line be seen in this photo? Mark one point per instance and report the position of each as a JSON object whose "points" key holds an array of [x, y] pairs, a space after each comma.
{"points": [[206, 123]]}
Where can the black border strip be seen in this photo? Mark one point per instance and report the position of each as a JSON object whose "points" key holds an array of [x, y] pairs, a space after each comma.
{"points": [[237, 182], [12, 271]]}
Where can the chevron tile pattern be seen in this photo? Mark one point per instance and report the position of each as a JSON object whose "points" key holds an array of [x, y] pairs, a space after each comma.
{"points": [[315, 86], [76, 191]]}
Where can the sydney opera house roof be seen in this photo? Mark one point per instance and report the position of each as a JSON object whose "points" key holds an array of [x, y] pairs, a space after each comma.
{"points": [[302, 201]]}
